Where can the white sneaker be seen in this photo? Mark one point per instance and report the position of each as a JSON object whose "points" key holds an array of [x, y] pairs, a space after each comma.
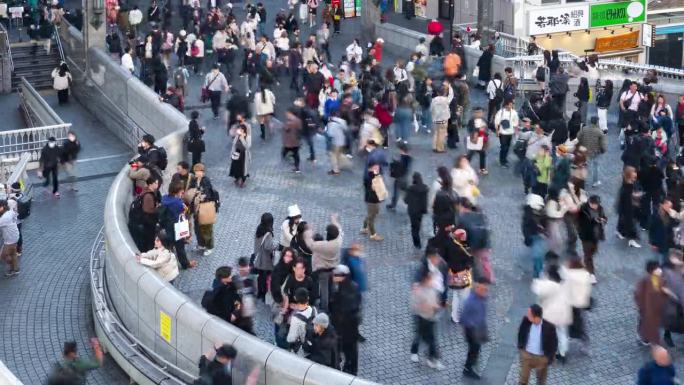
{"points": [[633, 243], [620, 236], [435, 364], [415, 358], [598, 183], [592, 279], [208, 252]]}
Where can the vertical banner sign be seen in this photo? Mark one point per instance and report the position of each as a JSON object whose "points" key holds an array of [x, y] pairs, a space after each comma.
{"points": [[624, 12], [165, 326], [349, 8], [648, 35], [554, 20]]}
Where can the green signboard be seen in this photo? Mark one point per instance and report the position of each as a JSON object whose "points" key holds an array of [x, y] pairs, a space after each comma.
{"points": [[623, 12]]}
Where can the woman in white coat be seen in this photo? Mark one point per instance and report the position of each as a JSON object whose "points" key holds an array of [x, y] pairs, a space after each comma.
{"points": [[464, 179], [61, 80], [264, 103], [577, 282], [553, 298], [160, 259]]}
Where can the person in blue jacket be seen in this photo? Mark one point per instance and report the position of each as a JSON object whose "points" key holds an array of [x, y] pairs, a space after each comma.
{"points": [[660, 371]]}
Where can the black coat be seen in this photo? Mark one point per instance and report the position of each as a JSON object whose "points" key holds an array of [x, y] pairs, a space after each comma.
{"points": [[531, 224], [195, 144], [444, 212], [226, 300], [50, 156], [549, 340], [590, 230], [215, 371], [454, 253], [416, 199], [345, 309], [485, 64], [323, 349], [278, 276], [70, 150]]}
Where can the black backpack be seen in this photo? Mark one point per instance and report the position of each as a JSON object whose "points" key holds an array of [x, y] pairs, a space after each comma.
{"points": [[306, 344], [135, 211], [24, 206], [498, 92], [163, 158], [208, 301]]}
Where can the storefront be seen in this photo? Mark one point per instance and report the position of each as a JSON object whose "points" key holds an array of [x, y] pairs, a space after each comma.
{"points": [[612, 29]]}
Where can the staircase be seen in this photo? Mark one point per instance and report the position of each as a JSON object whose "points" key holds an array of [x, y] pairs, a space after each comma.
{"points": [[35, 64]]}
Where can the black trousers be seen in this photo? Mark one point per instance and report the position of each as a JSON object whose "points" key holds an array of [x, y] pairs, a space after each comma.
{"points": [[399, 186], [452, 132], [416, 220], [483, 157], [63, 96], [180, 253], [350, 350], [215, 97], [295, 154], [425, 331], [505, 142], [55, 180], [492, 108], [262, 280], [473, 349], [196, 157], [310, 142], [20, 242]]}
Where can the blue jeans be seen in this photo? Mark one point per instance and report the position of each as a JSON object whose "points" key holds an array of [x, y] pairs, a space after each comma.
{"points": [[594, 168], [537, 251], [426, 117], [403, 130]]}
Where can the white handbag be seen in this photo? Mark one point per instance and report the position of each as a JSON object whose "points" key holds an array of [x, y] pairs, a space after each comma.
{"points": [[181, 228]]}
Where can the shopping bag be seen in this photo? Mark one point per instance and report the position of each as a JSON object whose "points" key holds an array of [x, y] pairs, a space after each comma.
{"points": [[206, 213], [181, 228]]}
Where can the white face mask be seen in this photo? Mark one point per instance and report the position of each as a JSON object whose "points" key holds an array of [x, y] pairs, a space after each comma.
{"points": [[52, 144], [658, 272]]}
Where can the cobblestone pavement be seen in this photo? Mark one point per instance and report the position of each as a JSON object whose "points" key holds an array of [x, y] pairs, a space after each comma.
{"points": [[615, 356], [49, 302]]}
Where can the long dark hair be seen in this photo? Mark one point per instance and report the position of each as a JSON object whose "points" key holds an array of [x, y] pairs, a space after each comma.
{"points": [[445, 177], [265, 226], [63, 69]]}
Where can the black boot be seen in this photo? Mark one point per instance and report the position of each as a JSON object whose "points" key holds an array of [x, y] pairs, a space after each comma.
{"points": [[667, 337]]}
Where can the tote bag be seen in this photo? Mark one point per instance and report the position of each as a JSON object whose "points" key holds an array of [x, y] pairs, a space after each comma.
{"points": [[181, 228]]}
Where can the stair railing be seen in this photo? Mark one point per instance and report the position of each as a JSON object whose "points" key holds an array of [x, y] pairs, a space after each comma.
{"points": [[6, 42], [59, 43]]}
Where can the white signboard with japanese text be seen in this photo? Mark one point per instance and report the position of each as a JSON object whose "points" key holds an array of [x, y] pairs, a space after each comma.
{"points": [[554, 20]]}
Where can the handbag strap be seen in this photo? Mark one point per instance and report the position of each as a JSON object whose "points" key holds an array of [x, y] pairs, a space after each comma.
{"points": [[212, 80]]}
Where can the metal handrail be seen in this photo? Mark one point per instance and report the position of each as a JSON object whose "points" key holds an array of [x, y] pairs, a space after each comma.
{"points": [[19, 174], [3, 30], [59, 43], [113, 326]]}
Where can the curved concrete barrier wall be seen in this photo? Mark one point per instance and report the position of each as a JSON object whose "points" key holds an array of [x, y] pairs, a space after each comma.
{"points": [[175, 327], [6, 377]]}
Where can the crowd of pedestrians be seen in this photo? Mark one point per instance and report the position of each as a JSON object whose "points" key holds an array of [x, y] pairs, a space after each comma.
{"points": [[313, 278]]}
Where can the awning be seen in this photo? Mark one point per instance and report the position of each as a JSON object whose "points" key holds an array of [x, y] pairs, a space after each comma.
{"points": [[670, 29]]}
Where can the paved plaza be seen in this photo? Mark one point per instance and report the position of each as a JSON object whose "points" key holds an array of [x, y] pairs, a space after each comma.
{"points": [[50, 301]]}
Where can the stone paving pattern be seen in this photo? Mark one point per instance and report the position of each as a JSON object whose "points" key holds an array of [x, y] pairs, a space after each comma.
{"points": [[49, 302]]}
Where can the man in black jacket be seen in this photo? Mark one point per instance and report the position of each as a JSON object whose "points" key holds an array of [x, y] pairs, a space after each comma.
{"points": [[49, 160], [399, 170], [218, 371], [346, 316], [226, 304], [416, 198], [323, 347], [537, 343]]}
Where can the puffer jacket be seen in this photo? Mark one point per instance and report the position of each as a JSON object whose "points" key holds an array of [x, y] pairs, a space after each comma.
{"points": [[162, 261], [593, 139], [553, 298]]}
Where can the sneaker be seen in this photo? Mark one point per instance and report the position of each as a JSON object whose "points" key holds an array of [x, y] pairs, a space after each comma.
{"points": [[634, 244], [376, 237], [454, 320], [592, 279], [333, 173], [297, 171], [208, 252], [200, 249], [435, 364], [364, 231], [57, 194], [642, 342], [620, 236], [349, 156], [560, 358], [484, 171], [15, 273], [9, 274], [470, 373], [598, 183], [415, 358], [504, 165]]}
